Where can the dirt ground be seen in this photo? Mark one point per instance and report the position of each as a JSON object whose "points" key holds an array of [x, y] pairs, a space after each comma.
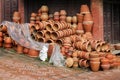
{"points": [[14, 66]]}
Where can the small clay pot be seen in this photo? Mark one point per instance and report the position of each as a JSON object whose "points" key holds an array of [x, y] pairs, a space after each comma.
{"points": [[80, 62], [3, 28], [69, 62], [8, 40], [19, 49], [49, 27], [85, 63], [44, 9], [33, 53], [105, 66], [68, 19], [75, 54], [25, 50], [62, 18], [63, 13], [44, 17], [105, 61], [86, 46], [109, 56], [74, 19], [95, 66]]}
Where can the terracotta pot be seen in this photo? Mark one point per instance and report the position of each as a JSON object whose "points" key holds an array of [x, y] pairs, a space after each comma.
{"points": [[33, 14], [80, 62], [32, 19], [73, 38], [41, 33], [109, 56], [105, 67], [94, 54], [33, 53], [7, 46], [75, 54], [75, 63], [87, 17], [49, 27], [1, 44], [102, 55], [80, 18], [56, 18], [42, 25], [1, 34], [84, 9], [49, 41], [19, 49], [74, 25], [50, 49], [44, 9], [80, 26], [3, 28], [105, 61], [55, 35], [96, 46], [85, 63], [62, 18], [37, 27], [87, 56], [60, 41], [25, 50], [87, 25], [95, 66], [67, 40], [56, 13], [1, 39], [69, 62], [86, 46], [7, 40], [74, 19], [63, 13], [44, 17], [95, 59], [67, 45], [57, 26], [68, 19], [41, 39]]}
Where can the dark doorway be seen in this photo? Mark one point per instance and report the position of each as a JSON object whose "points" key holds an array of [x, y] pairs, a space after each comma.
{"points": [[71, 6], [112, 21]]}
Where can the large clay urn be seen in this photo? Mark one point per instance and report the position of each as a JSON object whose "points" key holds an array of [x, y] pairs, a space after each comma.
{"points": [[33, 53]]}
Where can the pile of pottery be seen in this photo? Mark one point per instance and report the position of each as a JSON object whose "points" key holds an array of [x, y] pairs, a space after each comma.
{"points": [[8, 43]]}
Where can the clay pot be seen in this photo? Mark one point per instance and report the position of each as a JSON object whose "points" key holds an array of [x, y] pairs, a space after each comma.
{"points": [[75, 54], [32, 22], [68, 19], [96, 46], [44, 17], [105, 67], [95, 59], [41, 33], [60, 41], [56, 13], [80, 26], [80, 18], [51, 16], [57, 26], [87, 25], [84, 9], [75, 63], [67, 45], [33, 53], [1, 44], [74, 25], [7, 46], [44, 9], [67, 40], [56, 18], [80, 62], [86, 46], [102, 55], [87, 17], [62, 18], [63, 51], [63, 13], [25, 50], [32, 18], [86, 56], [109, 56], [19, 49], [49, 41], [3, 28], [41, 39], [33, 14], [49, 27], [85, 63], [1, 34], [1, 39], [94, 66], [50, 49], [74, 19], [69, 62], [105, 46], [104, 61], [8, 40], [56, 35], [94, 54]]}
